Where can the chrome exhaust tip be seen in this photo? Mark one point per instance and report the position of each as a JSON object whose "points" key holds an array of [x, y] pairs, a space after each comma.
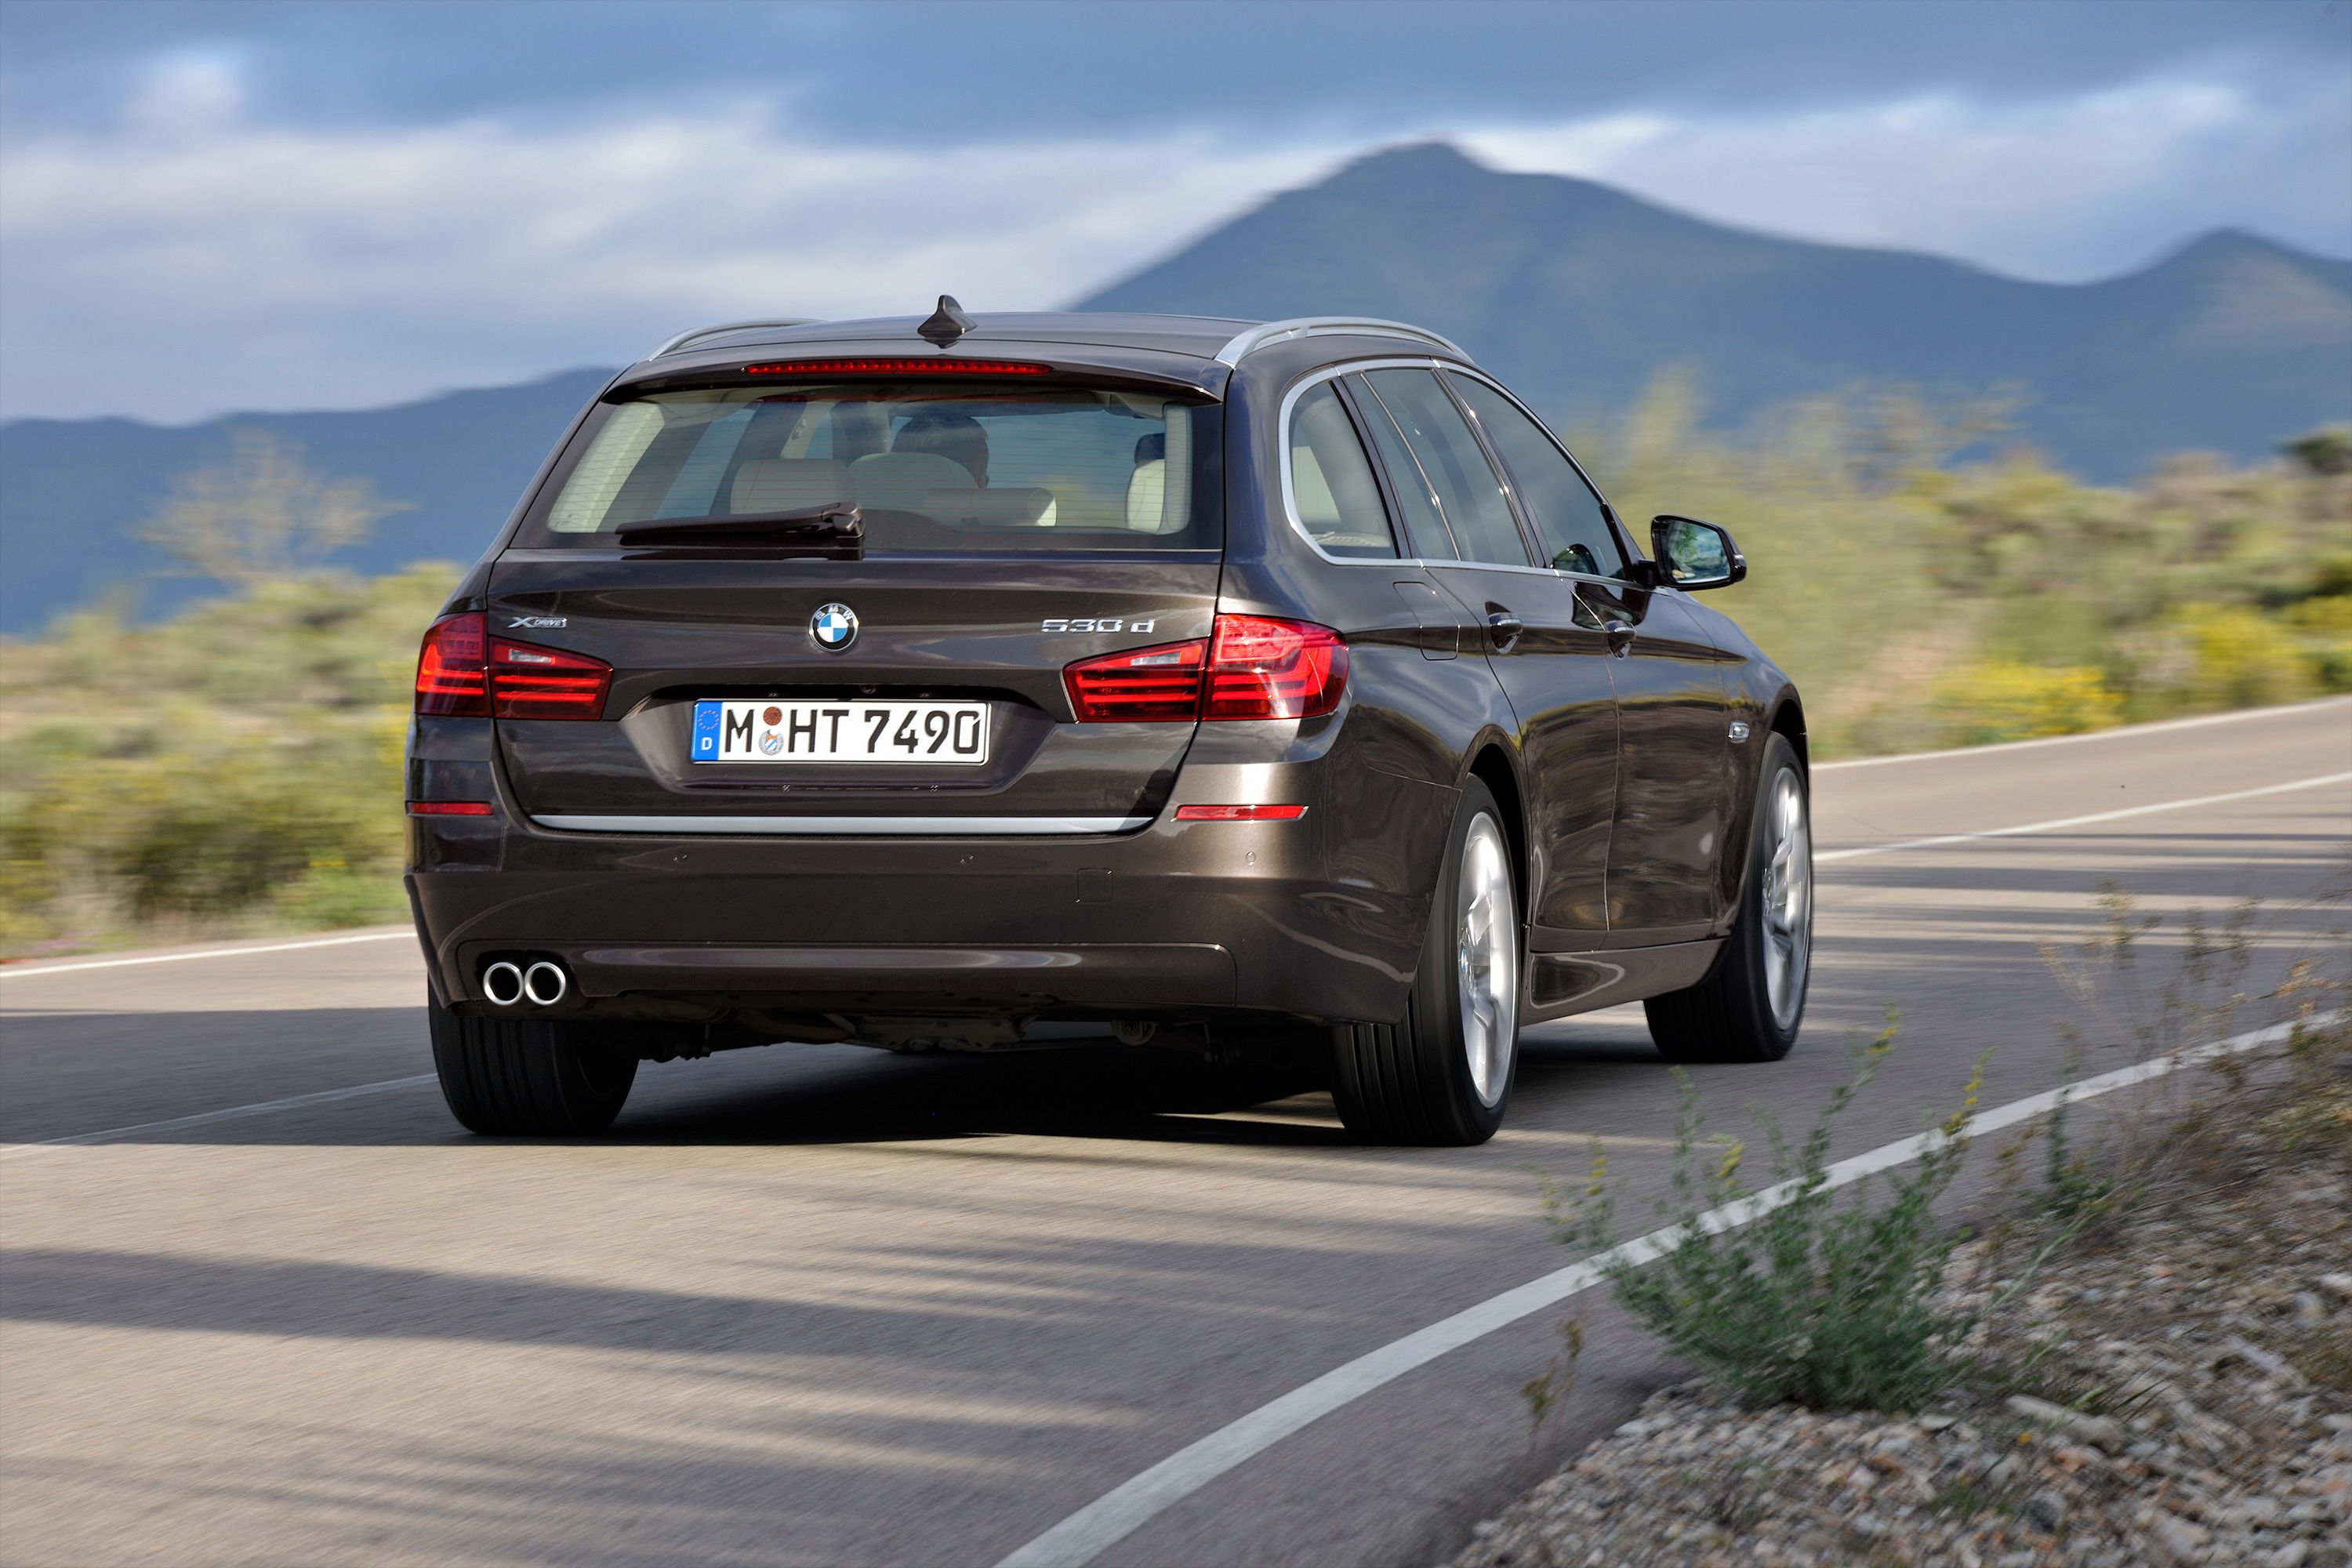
{"points": [[545, 983], [503, 985]]}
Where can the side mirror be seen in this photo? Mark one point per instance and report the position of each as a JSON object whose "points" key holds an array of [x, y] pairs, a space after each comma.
{"points": [[1693, 555]]}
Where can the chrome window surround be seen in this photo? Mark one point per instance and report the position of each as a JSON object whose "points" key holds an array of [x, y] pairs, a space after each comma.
{"points": [[849, 826], [1290, 502], [1245, 343], [685, 340]]}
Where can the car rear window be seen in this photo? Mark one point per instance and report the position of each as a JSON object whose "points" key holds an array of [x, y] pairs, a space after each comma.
{"points": [[931, 468]]}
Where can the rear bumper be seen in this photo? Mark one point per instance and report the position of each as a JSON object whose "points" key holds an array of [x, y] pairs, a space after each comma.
{"points": [[1260, 917], [1107, 976]]}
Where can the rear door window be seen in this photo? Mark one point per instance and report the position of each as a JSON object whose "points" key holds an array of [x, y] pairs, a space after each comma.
{"points": [[1331, 482], [1470, 497], [1416, 501], [931, 468], [1564, 510]]}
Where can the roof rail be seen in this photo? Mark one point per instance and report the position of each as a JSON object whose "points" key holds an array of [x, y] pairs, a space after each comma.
{"points": [[685, 340], [1257, 337]]}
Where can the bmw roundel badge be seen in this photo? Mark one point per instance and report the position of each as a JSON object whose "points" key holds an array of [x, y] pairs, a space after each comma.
{"points": [[834, 627]]}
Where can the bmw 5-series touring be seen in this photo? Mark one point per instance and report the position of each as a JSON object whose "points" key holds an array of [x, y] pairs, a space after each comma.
{"points": [[1281, 693]]}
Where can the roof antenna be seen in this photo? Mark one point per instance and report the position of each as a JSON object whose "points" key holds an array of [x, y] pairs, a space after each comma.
{"points": [[947, 324]]}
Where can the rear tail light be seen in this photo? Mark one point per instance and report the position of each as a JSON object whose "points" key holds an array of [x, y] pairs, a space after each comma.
{"points": [[1260, 668], [451, 675], [1148, 683], [450, 808], [528, 681], [1249, 666], [464, 672]]}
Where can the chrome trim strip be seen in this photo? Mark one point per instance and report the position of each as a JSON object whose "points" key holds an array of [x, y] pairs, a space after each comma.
{"points": [[1250, 339], [849, 826], [683, 339]]}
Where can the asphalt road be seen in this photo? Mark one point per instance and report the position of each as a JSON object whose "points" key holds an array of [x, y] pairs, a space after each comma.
{"points": [[823, 1305]]}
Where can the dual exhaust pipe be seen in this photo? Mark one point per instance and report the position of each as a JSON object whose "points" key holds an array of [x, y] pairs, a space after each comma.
{"points": [[541, 982]]}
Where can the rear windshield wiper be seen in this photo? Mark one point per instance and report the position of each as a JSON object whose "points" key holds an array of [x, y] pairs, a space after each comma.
{"points": [[834, 522]]}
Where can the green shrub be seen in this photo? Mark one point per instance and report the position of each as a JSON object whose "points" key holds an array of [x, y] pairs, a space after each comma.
{"points": [[236, 768], [2323, 632], [1827, 1302], [2183, 592]]}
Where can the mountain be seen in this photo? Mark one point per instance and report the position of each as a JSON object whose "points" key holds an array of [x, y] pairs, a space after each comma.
{"points": [[1577, 294], [1574, 293], [72, 491]]}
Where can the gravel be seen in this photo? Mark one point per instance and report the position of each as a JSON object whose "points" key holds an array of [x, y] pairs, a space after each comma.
{"points": [[2179, 1391]]}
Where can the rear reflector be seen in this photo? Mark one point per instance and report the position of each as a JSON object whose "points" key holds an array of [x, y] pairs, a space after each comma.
{"points": [[464, 672], [895, 367], [1240, 813], [1249, 666], [450, 808]]}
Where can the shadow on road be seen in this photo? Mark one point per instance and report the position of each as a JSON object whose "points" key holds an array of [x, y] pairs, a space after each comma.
{"points": [[791, 1094]]}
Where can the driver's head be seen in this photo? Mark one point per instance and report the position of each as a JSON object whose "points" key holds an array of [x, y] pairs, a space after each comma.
{"points": [[956, 437]]}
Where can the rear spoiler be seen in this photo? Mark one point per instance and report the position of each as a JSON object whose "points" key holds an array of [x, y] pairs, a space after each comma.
{"points": [[1131, 369]]}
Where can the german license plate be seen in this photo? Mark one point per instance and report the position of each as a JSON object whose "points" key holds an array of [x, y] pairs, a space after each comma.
{"points": [[844, 731]]}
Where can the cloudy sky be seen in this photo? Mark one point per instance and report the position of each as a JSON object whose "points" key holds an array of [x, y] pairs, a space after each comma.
{"points": [[208, 206]]}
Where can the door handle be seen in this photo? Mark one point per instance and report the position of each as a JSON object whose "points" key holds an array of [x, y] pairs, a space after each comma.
{"points": [[1503, 628], [1621, 637]]}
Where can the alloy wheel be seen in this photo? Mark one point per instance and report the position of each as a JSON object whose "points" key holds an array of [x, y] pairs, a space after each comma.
{"points": [[1487, 953], [1788, 899]]}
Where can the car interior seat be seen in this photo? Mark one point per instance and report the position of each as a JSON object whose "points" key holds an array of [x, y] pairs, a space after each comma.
{"points": [[901, 481], [784, 484]]}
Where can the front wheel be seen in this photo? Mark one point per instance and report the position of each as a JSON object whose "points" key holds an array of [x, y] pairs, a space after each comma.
{"points": [[529, 1075], [1748, 1009], [1442, 1074]]}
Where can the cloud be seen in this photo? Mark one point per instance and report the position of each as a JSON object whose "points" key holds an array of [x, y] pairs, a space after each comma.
{"points": [[2061, 191], [192, 257], [347, 267]]}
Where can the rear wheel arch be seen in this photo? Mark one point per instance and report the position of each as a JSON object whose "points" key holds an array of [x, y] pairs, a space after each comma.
{"points": [[1492, 767], [1732, 1015]]}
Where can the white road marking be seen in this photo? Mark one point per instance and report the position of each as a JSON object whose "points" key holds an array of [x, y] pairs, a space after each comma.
{"points": [[2056, 823], [2125, 731], [2120, 732], [204, 1118], [18, 971], [1120, 1512]]}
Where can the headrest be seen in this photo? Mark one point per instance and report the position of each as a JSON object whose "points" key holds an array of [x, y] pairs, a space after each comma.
{"points": [[1146, 497], [1319, 509]]}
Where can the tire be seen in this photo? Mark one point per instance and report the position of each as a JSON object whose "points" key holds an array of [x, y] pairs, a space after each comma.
{"points": [[1750, 1007], [529, 1075], [1442, 1074]]}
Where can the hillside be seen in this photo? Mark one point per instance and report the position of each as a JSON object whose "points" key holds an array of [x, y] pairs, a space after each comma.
{"points": [[1577, 294], [72, 491]]}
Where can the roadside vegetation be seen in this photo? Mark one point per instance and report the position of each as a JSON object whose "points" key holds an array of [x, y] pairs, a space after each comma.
{"points": [[235, 770], [1922, 598], [2140, 1350]]}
